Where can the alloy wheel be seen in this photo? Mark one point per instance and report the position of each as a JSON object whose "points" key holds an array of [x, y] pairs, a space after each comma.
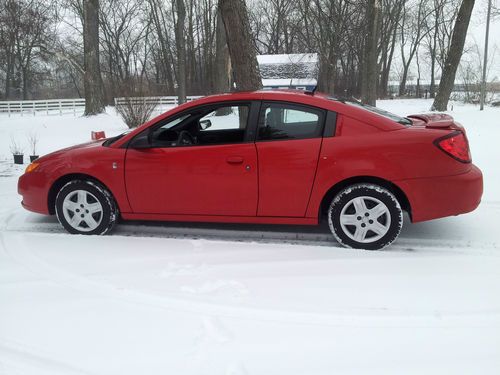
{"points": [[82, 210]]}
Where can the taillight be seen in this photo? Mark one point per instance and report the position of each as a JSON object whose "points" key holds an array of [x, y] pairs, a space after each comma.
{"points": [[455, 145]]}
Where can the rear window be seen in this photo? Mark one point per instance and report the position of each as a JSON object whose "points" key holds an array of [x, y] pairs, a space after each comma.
{"points": [[401, 120], [288, 121]]}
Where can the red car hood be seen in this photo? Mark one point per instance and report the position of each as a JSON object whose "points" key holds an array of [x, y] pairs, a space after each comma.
{"points": [[67, 149], [84, 145], [435, 121]]}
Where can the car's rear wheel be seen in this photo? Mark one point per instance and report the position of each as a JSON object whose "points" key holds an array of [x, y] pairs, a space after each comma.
{"points": [[365, 216], [86, 207]]}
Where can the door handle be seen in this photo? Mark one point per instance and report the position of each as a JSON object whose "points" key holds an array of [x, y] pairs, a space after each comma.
{"points": [[234, 160]]}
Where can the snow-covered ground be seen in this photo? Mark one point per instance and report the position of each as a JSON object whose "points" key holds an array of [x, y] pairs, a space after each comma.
{"points": [[234, 300]]}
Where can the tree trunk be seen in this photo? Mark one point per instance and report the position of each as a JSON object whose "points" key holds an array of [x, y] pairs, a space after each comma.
{"points": [[432, 88], [370, 68], [326, 74], [222, 82], [417, 91], [180, 42], [241, 48], [453, 57], [222, 62], [25, 78], [94, 98], [404, 78], [9, 77], [384, 77]]}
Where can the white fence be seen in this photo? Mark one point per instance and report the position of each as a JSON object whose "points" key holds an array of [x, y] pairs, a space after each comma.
{"points": [[162, 102], [51, 106], [60, 106]]}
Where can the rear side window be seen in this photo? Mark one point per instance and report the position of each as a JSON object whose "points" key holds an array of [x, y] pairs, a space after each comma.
{"points": [[279, 121]]}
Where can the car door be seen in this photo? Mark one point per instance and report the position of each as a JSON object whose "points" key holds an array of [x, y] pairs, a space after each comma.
{"points": [[288, 144], [214, 173]]}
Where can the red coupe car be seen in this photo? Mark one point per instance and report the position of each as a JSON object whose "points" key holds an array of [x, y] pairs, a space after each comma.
{"points": [[269, 157]]}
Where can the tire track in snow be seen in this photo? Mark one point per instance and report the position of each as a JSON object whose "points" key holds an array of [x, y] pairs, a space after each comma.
{"points": [[342, 318], [250, 234], [21, 356]]}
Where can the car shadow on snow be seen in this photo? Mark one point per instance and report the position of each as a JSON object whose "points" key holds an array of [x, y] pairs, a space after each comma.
{"points": [[438, 233]]}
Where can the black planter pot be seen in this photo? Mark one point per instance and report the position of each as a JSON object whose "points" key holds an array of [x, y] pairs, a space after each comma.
{"points": [[33, 158], [19, 159]]}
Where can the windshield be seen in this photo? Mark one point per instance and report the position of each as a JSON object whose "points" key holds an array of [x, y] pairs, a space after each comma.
{"points": [[401, 120], [174, 122], [112, 140]]}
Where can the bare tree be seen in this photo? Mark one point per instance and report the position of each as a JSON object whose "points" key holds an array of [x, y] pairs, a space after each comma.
{"points": [[124, 28], [94, 98], [413, 31], [241, 47], [222, 62], [333, 41], [370, 71], [199, 45], [274, 23], [180, 43], [184, 47], [25, 36], [453, 56], [495, 11], [390, 20], [440, 27], [161, 47]]}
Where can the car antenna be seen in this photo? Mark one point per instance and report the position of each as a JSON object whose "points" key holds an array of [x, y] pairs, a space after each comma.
{"points": [[311, 92]]}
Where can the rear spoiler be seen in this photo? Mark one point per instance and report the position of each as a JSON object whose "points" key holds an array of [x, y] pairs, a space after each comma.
{"points": [[436, 120]]}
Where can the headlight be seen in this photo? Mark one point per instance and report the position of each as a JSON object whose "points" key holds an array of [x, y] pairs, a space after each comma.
{"points": [[32, 167]]}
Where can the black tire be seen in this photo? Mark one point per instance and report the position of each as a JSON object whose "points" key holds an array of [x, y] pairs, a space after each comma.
{"points": [[346, 204], [106, 218]]}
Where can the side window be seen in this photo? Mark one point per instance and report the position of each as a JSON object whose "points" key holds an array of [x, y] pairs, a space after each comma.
{"points": [[226, 124], [207, 126], [224, 118], [165, 135], [287, 121]]}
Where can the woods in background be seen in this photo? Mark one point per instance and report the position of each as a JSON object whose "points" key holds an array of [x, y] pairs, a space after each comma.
{"points": [[109, 48]]}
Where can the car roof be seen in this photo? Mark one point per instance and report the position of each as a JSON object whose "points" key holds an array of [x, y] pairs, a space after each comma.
{"points": [[292, 95], [316, 99]]}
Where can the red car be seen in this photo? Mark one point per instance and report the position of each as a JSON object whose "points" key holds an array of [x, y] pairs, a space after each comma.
{"points": [[273, 157]]}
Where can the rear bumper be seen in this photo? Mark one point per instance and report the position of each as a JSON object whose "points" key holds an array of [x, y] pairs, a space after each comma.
{"points": [[436, 197]]}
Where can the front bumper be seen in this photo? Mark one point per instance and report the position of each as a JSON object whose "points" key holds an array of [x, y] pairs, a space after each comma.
{"points": [[34, 189], [436, 197]]}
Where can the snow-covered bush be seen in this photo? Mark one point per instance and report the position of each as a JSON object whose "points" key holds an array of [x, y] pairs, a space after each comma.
{"points": [[136, 111], [15, 148], [33, 142]]}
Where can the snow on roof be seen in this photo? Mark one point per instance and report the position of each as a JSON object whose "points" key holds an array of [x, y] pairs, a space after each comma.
{"points": [[292, 58], [292, 66], [412, 82], [285, 82]]}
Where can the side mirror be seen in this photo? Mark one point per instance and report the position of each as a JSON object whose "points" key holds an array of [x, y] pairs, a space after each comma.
{"points": [[205, 124], [140, 142]]}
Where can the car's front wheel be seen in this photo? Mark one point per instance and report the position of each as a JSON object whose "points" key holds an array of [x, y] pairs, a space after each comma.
{"points": [[365, 216], [86, 207]]}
